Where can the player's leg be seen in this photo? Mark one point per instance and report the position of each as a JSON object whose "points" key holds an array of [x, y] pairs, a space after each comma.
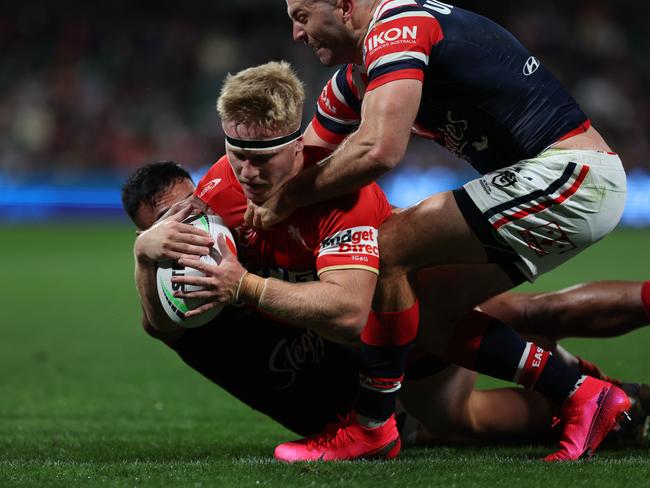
{"points": [[599, 309], [452, 411], [292, 375]]}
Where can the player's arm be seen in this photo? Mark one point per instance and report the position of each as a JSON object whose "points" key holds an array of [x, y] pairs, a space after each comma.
{"points": [[311, 138], [169, 239], [336, 307], [388, 113]]}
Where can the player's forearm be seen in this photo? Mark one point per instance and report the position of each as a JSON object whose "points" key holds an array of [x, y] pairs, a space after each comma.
{"points": [[326, 308], [145, 282], [357, 163]]}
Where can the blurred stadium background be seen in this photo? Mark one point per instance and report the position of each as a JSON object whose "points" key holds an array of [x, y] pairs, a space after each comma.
{"points": [[89, 91]]}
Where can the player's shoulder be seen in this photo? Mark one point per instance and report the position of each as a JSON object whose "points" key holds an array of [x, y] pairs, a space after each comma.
{"points": [[217, 179]]}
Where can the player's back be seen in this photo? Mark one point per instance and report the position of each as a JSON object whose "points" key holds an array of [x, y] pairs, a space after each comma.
{"points": [[485, 96]]}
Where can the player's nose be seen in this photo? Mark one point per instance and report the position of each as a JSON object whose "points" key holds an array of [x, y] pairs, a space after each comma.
{"points": [[248, 170], [299, 34]]}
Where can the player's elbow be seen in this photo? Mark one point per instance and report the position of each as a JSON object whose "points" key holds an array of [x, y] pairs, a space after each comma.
{"points": [[350, 324], [384, 157]]}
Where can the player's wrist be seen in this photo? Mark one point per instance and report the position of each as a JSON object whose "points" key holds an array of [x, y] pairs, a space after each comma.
{"points": [[250, 289], [140, 254]]}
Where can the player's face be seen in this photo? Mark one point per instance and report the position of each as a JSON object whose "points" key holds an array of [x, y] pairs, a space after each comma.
{"points": [[320, 25], [261, 173], [147, 215]]}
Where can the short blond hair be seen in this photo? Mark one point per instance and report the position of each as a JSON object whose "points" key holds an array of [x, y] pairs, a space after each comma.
{"points": [[270, 96]]}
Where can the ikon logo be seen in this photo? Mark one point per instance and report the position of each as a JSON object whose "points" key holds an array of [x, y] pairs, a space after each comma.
{"points": [[532, 64], [405, 33]]}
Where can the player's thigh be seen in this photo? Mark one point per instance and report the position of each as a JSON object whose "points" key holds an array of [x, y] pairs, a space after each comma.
{"points": [[432, 232], [441, 402], [447, 293]]}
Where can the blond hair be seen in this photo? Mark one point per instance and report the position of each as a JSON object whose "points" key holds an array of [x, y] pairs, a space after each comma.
{"points": [[270, 96]]}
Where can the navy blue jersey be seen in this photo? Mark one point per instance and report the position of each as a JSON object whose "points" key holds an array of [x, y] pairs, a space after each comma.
{"points": [[485, 97]]}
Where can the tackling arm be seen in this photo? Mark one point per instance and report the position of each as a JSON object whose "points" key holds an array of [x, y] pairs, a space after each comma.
{"points": [[387, 115]]}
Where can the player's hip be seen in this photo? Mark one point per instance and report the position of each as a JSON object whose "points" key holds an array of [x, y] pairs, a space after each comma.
{"points": [[546, 209]]}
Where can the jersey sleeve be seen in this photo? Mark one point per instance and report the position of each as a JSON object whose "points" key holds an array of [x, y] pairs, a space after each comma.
{"points": [[220, 191], [399, 42], [211, 181], [338, 109], [348, 235]]}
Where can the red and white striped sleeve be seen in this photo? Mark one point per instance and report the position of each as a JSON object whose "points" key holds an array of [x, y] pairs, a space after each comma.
{"points": [[338, 110], [399, 42]]}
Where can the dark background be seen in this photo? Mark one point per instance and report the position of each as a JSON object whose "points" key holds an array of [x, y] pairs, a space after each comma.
{"points": [[98, 89]]}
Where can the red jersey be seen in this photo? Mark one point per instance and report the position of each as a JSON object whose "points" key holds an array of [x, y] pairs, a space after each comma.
{"points": [[337, 234]]}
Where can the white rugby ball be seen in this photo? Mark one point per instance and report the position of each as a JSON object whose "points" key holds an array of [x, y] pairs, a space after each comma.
{"points": [[176, 308]]}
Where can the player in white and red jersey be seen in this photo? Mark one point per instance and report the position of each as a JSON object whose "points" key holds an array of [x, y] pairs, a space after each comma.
{"points": [[551, 185]]}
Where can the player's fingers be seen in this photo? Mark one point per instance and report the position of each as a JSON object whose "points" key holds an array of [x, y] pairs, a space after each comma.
{"points": [[257, 220], [181, 214], [185, 249], [192, 262], [224, 248], [204, 281], [192, 235], [195, 294], [250, 214], [199, 310]]}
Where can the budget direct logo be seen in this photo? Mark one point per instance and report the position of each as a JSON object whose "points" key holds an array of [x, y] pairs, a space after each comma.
{"points": [[361, 240]]}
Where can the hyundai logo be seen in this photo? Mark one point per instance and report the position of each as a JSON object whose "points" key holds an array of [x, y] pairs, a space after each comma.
{"points": [[531, 65]]}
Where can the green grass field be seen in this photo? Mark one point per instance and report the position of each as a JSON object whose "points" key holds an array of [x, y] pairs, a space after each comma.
{"points": [[86, 398]]}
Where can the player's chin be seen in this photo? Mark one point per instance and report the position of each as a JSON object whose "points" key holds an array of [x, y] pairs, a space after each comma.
{"points": [[326, 57], [257, 198]]}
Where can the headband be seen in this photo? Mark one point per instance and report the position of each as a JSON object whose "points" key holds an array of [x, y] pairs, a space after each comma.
{"points": [[263, 144]]}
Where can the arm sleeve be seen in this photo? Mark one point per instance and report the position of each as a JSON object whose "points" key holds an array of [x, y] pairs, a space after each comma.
{"points": [[338, 109], [399, 43], [348, 236]]}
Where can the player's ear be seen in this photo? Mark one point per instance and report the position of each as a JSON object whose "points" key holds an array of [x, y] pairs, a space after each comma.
{"points": [[300, 145], [346, 6]]}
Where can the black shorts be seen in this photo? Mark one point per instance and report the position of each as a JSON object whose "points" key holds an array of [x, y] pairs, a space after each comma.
{"points": [[290, 374], [293, 375]]}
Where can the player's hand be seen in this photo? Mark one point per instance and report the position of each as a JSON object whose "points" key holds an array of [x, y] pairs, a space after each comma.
{"points": [[272, 212], [220, 282], [171, 239], [194, 203]]}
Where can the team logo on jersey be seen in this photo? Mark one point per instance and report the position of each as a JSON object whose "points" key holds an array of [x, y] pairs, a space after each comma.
{"points": [[210, 185], [547, 239], [505, 179], [357, 240], [289, 357], [532, 64], [394, 35]]}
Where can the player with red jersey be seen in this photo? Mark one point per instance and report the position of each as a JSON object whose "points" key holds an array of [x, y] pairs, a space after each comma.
{"points": [[316, 270], [551, 186], [287, 371]]}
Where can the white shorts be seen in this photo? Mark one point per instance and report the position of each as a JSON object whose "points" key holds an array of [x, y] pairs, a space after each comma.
{"points": [[546, 209]]}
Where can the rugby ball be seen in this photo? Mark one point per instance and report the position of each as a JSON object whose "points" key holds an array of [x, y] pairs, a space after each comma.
{"points": [[176, 308]]}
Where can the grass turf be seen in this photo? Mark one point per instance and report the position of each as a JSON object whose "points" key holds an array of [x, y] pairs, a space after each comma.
{"points": [[87, 399]]}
